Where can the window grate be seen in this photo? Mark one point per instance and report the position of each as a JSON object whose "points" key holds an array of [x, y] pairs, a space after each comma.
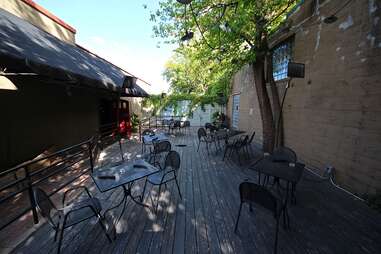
{"points": [[281, 56]]}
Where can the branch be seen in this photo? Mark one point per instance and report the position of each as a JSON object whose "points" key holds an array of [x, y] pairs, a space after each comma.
{"points": [[221, 5], [199, 28], [281, 13]]}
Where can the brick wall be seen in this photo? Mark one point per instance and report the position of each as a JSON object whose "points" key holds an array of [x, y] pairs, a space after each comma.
{"points": [[333, 115]]}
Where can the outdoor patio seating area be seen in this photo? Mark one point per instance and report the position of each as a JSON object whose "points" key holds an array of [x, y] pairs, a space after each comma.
{"points": [[200, 214]]}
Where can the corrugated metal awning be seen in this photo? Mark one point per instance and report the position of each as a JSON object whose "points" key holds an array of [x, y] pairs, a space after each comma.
{"points": [[26, 47]]}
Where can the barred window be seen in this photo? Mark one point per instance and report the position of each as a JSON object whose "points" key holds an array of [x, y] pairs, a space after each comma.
{"points": [[281, 56]]}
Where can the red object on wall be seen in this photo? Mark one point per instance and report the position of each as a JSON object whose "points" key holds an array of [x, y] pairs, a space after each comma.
{"points": [[123, 127], [129, 129]]}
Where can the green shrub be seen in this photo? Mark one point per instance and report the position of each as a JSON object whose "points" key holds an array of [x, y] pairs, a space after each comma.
{"points": [[134, 122]]}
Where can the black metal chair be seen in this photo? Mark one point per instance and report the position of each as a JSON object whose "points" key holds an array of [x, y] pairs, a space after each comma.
{"points": [[68, 215], [235, 146], [251, 194], [173, 125], [167, 174], [159, 148], [186, 125], [177, 125], [145, 133], [207, 126], [248, 145], [284, 154], [204, 138], [211, 127]]}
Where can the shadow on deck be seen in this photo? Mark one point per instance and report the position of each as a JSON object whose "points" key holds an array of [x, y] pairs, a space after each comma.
{"points": [[324, 220]]}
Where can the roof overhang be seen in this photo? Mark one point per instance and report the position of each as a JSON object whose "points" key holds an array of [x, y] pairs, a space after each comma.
{"points": [[25, 47]]}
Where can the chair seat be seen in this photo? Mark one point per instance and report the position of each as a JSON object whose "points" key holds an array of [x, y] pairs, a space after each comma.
{"points": [[80, 210], [155, 179], [147, 156]]}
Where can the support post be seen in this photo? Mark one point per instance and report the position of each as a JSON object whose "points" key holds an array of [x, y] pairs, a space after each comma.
{"points": [[31, 196], [281, 114]]}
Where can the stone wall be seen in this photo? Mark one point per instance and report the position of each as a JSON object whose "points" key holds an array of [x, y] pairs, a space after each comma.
{"points": [[333, 115]]}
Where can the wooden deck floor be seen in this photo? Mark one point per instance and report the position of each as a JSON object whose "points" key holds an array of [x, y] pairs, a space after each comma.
{"points": [[324, 220]]}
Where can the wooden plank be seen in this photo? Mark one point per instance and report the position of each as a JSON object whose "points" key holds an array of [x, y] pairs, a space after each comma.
{"points": [[324, 220]]}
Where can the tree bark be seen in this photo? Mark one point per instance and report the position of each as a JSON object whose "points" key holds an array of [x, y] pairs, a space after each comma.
{"points": [[264, 103], [275, 102]]}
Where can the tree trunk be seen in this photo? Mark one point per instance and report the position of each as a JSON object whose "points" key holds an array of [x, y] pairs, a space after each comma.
{"points": [[275, 102], [264, 103]]}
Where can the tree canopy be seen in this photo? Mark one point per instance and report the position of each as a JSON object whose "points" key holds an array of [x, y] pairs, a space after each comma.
{"points": [[216, 38]]}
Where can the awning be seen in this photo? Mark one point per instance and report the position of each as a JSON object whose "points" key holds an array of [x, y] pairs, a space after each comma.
{"points": [[26, 47]]}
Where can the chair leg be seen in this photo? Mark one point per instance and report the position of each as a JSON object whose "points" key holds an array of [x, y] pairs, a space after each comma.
{"points": [[293, 196], [226, 149], [56, 233], [276, 236], [178, 188], [157, 200], [144, 190], [61, 235], [58, 228], [239, 214], [239, 157], [103, 226]]}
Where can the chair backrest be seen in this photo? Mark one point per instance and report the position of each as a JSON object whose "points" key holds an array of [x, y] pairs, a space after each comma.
{"points": [[213, 128], [44, 205], [177, 124], [254, 193], [172, 160], [252, 137], [165, 122], [207, 125], [148, 132], [284, 154], [242, 141], [162, 146], [201, 133]]}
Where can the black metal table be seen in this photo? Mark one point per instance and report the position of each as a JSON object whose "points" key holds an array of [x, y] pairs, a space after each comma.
{"points": [[225, 134], [123, 174], [154, 138], [149, 139], [289, 172]]}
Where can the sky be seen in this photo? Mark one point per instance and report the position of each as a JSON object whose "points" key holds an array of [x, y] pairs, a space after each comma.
{"points": [[121, 32]]}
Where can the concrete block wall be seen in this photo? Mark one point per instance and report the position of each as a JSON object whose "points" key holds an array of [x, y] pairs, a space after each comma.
{"points": [[333, 115]]}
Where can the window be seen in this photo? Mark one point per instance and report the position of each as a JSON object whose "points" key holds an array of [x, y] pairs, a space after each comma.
{"points": [[281, 56]]}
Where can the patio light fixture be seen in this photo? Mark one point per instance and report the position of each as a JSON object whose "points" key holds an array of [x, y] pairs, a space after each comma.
{"points": [[294, 70], [188, 36], [184, 1], [7, 84]]}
